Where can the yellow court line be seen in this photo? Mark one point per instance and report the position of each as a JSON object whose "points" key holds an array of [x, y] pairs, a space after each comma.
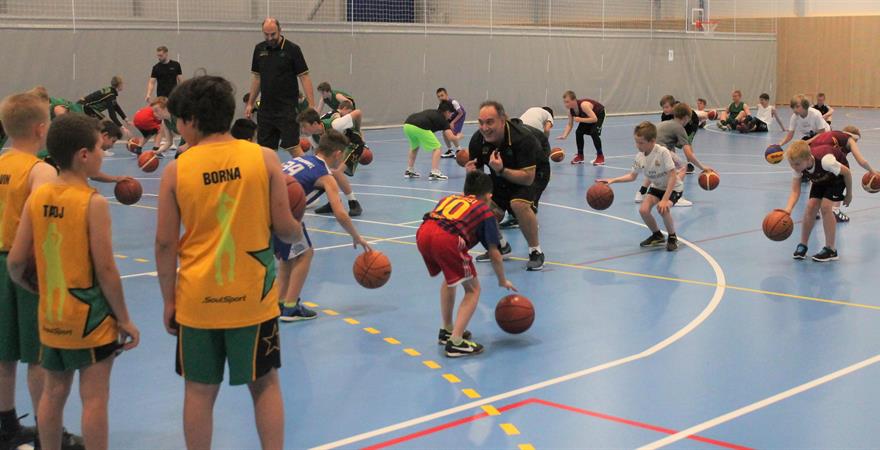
{"points": [[372, 330], [470, 393], [411, 352], [142, 260], [330, 312], [310, 304], [526, 447], [121, 256], [509, 428], [431, 364], [392, 341], [351, 321], [490, 410], [451, 378]]}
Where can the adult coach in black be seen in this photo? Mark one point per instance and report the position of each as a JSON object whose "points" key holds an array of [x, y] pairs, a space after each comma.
{"points": [[277, 63], [165, 75], [512, 153]]}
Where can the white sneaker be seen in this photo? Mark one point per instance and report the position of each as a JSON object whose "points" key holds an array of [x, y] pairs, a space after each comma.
{"points": [[683, 202], [435, 176], [108, 153], [639, 197]]}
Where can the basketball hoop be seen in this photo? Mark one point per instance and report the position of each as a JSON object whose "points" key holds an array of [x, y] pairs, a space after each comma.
{"points": [[706, 26]]}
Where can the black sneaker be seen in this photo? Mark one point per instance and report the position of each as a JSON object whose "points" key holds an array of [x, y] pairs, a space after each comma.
{"points": [[354, 208], [448, 154], [841, 217], [466, 348], [826, 255], [653, 240], [536, 261], [691, 168], [800, 252], [672, 244], [325, 209], [511, 222], [504, 252], [444, 336], [12, 439], [69, 441]]}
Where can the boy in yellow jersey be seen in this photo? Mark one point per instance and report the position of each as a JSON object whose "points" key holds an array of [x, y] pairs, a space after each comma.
{"points": [[229, 196], [26, 120], [83, 320]]}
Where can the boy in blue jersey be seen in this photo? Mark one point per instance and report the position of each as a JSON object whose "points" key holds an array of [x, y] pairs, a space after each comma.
{"points": [[314, 175]]}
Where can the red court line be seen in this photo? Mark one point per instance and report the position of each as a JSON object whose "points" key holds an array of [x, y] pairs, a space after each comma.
{"points": [[585, 412]]}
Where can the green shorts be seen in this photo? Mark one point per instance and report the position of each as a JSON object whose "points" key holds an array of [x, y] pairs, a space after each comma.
{"points": [[66, 360], [420, 137], [252, 352], [19, 332]]}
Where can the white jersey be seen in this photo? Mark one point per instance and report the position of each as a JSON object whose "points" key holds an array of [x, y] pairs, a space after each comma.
{"points": [[805, 126], [765, 114], [656, 166], [536, 118]]}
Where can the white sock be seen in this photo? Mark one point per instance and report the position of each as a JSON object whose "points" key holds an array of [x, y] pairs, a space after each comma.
{"points": [[350, 197], [411, 169], [502, 243], [535, 249]]}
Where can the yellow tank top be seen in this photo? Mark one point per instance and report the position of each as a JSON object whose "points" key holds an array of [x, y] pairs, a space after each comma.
{"points": [[227, 268], [74, 314], [15, 168]]}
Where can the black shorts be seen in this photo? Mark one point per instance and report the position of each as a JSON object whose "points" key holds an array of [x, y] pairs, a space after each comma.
{"points": [[593, 128], [540, 184], [673, 197], [277, 131], [148, 133], [833, 190], [87, 110], [809, 136], [503, 194], [760, 126]]}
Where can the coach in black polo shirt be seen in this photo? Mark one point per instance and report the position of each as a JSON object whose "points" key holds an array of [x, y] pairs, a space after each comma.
{"points": [[276, 65], [514, 157], [165, 75]]}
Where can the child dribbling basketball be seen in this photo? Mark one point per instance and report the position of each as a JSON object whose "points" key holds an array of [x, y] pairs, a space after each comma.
{"points": [[457, 224], [658, 165]]}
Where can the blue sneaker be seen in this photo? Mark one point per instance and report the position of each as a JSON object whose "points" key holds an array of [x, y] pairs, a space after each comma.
{"points": [[296, 313]]}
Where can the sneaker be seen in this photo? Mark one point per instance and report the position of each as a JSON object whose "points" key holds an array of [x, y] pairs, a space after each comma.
{"points": [[639, 197], [690, 169], [672, 244], [108, 153], [510, 223], [448, 154], [296, 313], [536, 261], [578, 159], [654, 240], [466, 348], [411, 174], [840, 216], [354, 208], [825, 255], [598, 161], [444, 336], [69, 441], [684, 203], [11, 440], [160, 155], [326, 209], [800, 252], [437, 176], [506, 250]]}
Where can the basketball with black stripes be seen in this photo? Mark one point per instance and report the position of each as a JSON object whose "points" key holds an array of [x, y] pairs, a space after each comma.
{"points": [[148, 161], [372, 269], [128, 191], [600, 196], [871, 183], [515, 314], [297, 197], [778, 225]]}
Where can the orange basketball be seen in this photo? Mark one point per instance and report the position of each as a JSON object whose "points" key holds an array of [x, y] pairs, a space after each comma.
{"points": [[600, 196], [462, 157], [148, 161], [871, 183], [305, 144], [297, 198], [514, 314], [128, 191], [709, 180], [712, 114], [557, 155], [366, 156], [135, 144], [778, 225], [372, 269]]}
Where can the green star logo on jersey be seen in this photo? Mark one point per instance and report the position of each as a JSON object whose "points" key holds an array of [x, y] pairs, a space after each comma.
{"points": [[266, 258], [99, 310]]}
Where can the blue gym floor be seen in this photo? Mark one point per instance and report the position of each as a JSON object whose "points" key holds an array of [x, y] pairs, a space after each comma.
{"points": [[727, 339]]}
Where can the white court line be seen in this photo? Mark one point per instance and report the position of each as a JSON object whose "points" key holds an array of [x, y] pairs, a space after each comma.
{"points": [[737, 133], [696, 429], [363, 221], [143, 274], [629, 169], [720, 288], [375, 241]]}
